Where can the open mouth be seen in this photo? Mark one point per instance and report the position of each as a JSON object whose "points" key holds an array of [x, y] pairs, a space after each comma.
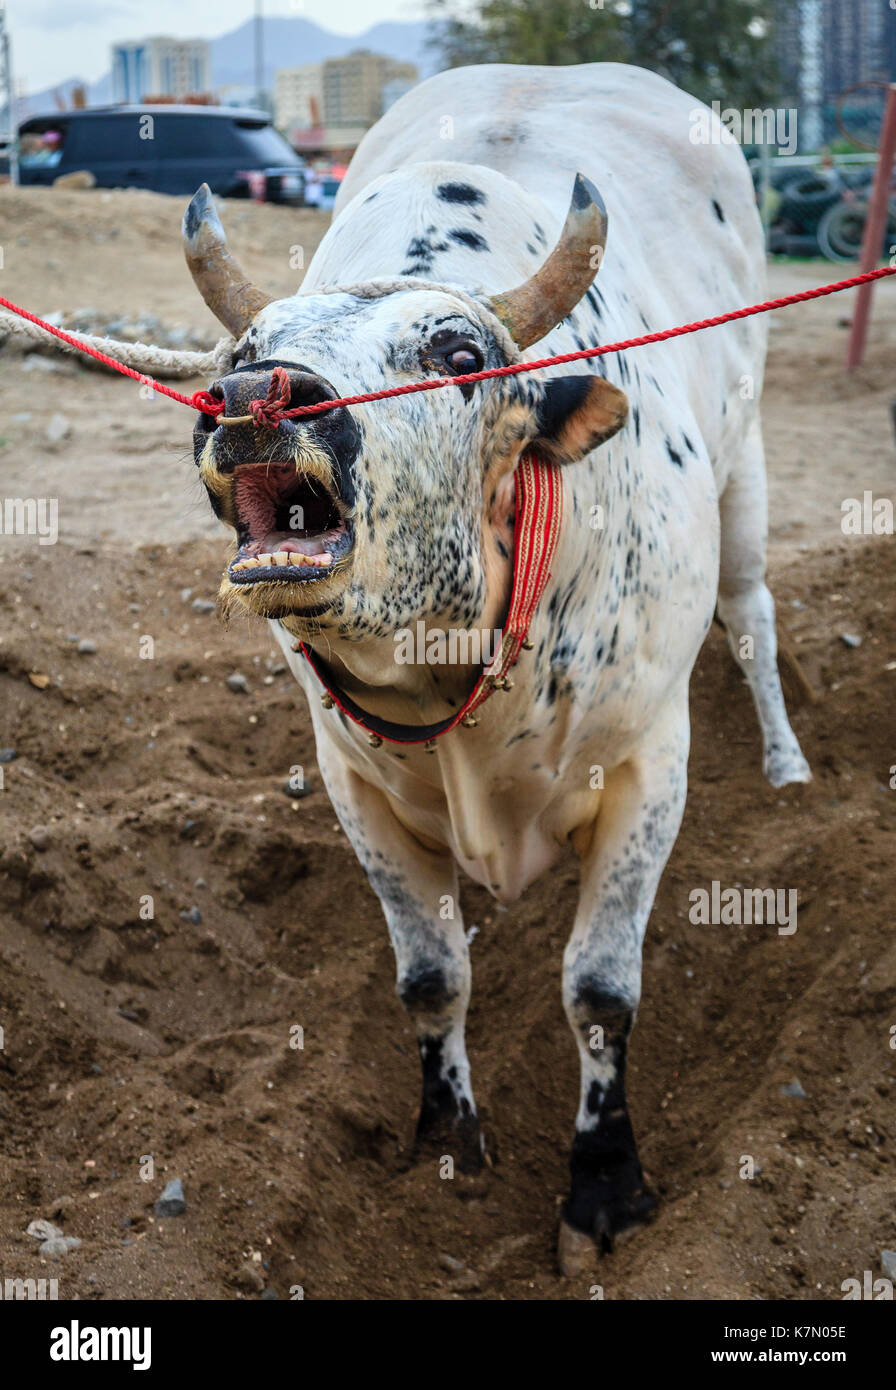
{"points": [[291, 527]]}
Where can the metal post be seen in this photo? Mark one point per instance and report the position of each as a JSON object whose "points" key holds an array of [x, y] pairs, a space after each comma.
{"points": [[259, 55], [875, 226], [7, 94]]}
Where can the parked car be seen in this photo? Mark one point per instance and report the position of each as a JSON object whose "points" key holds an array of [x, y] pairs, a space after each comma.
{"points": [[169, 149], [320, 191]]}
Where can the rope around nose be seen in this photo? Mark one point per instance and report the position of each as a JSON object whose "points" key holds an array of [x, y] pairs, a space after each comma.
{"points": [[267, 413]]}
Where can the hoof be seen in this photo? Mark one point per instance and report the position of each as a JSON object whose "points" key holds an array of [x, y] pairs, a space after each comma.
{"points": [[576, 1253], [786, 765], [614, 1222], [461, 1140]]}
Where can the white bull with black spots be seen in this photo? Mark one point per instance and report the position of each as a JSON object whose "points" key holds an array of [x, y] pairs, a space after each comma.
{"points": [[356, 524]]}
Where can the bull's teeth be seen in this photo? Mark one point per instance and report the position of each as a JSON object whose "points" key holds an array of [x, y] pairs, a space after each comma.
{"points": [[265, 560], [281, 558]]}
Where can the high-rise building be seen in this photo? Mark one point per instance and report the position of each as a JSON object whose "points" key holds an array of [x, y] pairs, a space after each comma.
{"points": [[353, 86], [299, 96], [160, 67], [855, 43], [825, 47]]}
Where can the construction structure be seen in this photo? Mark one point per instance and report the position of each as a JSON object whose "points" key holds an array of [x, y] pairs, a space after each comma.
{"points": [[160, 66], [349, 93]]}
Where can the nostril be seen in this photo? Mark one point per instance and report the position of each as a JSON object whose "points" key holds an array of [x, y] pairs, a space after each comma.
{"points": [[207, 422], [305, 388]]}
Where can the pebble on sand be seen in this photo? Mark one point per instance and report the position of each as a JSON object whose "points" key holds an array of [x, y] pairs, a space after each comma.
{"points": [[40, 838], [297, 792], [237, 682], [58, 1245], [42, 1230], [172, 1201], [86, 647], [59, 428]]}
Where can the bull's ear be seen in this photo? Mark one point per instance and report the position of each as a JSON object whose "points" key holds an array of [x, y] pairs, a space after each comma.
{"points": [[576, 414]]}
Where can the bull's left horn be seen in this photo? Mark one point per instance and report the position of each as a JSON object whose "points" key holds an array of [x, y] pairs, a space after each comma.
{"points": [[535, 307], [231, 297]]}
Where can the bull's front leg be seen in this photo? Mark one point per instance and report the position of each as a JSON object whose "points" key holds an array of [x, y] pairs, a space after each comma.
{"points": [[417, 888], [622, 856]]}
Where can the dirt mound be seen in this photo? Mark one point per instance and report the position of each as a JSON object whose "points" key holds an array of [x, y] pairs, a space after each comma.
{"points": [[172, 1035]]}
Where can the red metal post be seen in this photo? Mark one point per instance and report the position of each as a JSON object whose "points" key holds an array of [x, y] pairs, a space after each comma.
{"points": [[874, 231]]}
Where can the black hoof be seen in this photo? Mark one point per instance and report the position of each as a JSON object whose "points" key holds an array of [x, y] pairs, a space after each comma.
{"points": [[620, 1216], [459, 1138]]}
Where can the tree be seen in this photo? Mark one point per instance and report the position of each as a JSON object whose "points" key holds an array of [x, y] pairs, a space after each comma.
{"points": [[526, 31], [717, 49]]}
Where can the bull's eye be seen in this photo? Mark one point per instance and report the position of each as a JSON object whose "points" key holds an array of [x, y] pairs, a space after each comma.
{"points": [[464, 360]]}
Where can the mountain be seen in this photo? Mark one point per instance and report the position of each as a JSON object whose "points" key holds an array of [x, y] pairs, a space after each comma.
{"points": [[289, 41]]}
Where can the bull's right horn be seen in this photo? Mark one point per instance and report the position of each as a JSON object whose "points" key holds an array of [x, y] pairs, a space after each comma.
{"points": [[535, 307], [231, 297]]}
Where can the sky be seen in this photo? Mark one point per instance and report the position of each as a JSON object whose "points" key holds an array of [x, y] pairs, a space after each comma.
{"points": [[56, 39]]}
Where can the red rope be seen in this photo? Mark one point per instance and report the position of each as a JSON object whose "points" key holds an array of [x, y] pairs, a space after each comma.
{"points": [[269, 412]]}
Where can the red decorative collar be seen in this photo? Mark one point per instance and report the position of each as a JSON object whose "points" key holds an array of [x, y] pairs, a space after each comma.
{"points": [[539, 504]]}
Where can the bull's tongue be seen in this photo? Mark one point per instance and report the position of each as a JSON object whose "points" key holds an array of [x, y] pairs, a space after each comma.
{"points": [[293, 545]]}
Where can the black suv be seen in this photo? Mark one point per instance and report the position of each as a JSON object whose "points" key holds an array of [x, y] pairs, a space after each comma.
{"points": [[170, 149]]}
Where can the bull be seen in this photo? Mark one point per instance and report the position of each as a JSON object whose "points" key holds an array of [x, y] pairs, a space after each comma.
{"points": [[444, 257]]}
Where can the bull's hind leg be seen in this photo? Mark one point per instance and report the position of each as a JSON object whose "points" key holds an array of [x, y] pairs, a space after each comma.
{"points": [[640, 812], [417, 889], [748, 611]]}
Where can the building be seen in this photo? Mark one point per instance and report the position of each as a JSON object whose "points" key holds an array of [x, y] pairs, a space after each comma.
{"points": [[298, 96], [160, 67], [353, 86], [824, 48], [855, 43]]}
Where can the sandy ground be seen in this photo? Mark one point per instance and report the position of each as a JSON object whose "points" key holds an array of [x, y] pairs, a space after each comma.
{"points": [[126, 1037]]}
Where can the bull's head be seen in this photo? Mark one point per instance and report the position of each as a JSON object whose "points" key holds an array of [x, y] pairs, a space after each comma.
{"points": [[364, 521]]}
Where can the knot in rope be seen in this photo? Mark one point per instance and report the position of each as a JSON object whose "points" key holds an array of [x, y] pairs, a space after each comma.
{"points": [[267, 414], [264, 414]]}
